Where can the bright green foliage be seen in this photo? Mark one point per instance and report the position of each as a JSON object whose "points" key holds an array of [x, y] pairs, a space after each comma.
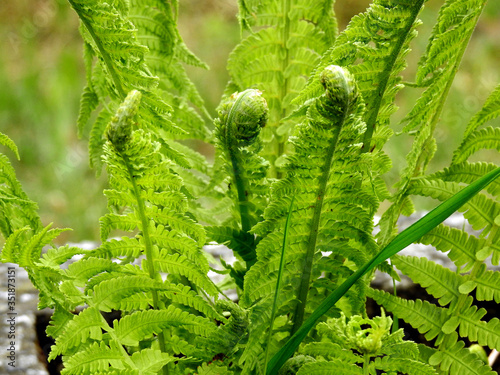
{"points": [[286, 41], [135, 45], [16, 209], [241, 118], [347, 346], [332, 212], [297, 178]]}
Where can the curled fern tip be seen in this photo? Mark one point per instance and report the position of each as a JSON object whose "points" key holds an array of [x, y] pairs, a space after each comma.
{"points": [[339, 84], [246, 113], [120, 127]]}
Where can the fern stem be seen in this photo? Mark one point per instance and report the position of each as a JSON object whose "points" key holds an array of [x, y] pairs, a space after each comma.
{"points": [[366, 364], [241, 190], [298, 316], [235, 156], [148, 247], [372, 113], [104, 54]]}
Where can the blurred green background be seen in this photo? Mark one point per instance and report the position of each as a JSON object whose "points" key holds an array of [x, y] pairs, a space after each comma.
{"points": [[42, 75]]}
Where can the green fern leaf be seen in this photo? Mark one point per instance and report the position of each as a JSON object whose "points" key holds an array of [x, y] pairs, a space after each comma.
{"points": [[275, 59], [467, 173], [331, 367], [6, 141], [84, 326], [488, 285], [330, 351], [127, 222], [422, 315], [142, 324], [88, 103], [125, 247], [462, 247], [56, 256], [379, 38], [471, 326], [58, 322], [181, 265], [17, 210], [486, 138], [481, 210], [402, 365], [81, 272], [150, 361], [437, 280], [490, 111], [458, 360], [108, 293], [94, 359]]}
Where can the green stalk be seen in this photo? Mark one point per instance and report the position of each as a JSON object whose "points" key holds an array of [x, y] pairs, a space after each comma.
{"points": [[235, 156], [104, 54], [366, 363], [148, 247], [405, 238], [298, 316], [278, 282]]}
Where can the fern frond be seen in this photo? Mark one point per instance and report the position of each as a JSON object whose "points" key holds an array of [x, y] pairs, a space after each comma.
{"points": [[487, 285], [275, 59], [179, 264], [212, 369], [379, 38], [480, 211], [107, 295], [471, 326], [227, 336], [439, 281], [402, 365], [6, 141], [150, 361], [329, 351], [422, 315], [468, 172], [329, 140], [447, 43], [142, 324], [27, 254], [81, 272], [88, 103], [86, 325], [58, 322], [331, 367], [456, 359], [17, 210], [125, 247], [95, 358], [56, 256], [184, 295], [486, 138], [461, 246], [489, 111]]}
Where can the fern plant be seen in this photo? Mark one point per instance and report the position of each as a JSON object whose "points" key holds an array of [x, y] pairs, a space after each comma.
{"points": [[296, 182]]}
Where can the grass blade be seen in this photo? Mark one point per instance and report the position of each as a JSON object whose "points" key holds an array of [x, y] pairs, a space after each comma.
{"points": [[403, 239], [278, 282]]}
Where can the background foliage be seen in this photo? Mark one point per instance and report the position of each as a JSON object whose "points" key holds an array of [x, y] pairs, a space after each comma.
{"points": [[42, 75]]}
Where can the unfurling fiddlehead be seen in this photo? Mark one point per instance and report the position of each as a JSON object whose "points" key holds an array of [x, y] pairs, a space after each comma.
{"points": [[119, 129], [241, 117]]}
